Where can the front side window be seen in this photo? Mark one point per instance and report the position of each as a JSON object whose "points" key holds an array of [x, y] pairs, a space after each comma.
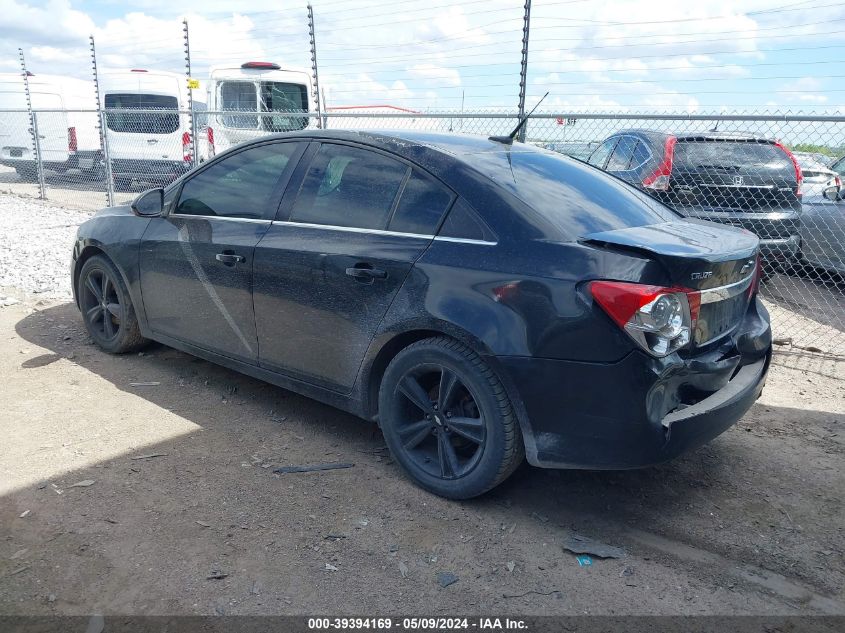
{"points": [[238, 186], [349, 186], [126, 121]]}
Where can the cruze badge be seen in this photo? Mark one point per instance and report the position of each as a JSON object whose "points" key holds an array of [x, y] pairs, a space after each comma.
{"points": [[704, 275]]}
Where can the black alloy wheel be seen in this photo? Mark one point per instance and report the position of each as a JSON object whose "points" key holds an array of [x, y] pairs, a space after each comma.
{"points": [[447, 419]]}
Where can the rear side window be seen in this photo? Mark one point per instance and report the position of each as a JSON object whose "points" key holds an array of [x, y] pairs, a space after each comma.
{"points": [[423, 202], [599, 157], [620, 160], [463, 223], [641, 155], [349, 186], [738, 156], [238, 186], [141, 122]]}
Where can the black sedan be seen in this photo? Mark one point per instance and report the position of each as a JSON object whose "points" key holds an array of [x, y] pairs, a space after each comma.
{"points": [[482, 301]]}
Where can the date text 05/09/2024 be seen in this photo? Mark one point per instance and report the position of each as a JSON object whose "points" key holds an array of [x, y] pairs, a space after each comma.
{"points": [[418, 624]]}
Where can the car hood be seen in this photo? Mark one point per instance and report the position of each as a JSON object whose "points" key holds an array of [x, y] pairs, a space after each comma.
{"points": [[695, 253]]}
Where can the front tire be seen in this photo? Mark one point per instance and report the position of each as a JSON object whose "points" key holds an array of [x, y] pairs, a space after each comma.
{"points": [[106, 308], [447, 419]]}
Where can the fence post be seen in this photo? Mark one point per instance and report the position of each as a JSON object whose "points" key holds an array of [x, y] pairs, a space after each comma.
{"points": [[192, 119], [523, 67], [104, 136], [320, 122], [33, 128]]}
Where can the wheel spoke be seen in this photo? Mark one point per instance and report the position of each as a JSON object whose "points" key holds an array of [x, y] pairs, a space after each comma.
{"points": [[115, 310], [469, 428], [108, 325], [449, 384], [416, 394], [94, 288], [106, 285], [449, 466], [413, 434], [94, 313]]}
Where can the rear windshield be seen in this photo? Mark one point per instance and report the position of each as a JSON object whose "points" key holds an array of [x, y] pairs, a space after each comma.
{"points": [[142, 122], [571, 196], [732, 155], [280, 99]]}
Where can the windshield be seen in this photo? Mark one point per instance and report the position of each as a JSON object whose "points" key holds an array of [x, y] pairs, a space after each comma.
{"points": [[141, 122], [571, 196], [275, 97]]}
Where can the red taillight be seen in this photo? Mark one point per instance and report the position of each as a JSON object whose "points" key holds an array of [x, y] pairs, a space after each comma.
{"points": [[799, 176], [72, 143], [659, 178], [211, 149], [186, 147], [660, 320], [262, 65]]}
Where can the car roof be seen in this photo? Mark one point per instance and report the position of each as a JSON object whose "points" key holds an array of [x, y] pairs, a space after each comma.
{"points": [[704, 135]]}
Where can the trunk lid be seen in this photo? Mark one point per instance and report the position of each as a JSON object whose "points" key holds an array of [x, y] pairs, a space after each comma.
{"points": [[716, 260]]}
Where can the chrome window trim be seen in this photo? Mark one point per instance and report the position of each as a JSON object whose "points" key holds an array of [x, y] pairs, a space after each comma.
{"points": [[220, 217], [352, 229], [713, 295], [355, 229]]}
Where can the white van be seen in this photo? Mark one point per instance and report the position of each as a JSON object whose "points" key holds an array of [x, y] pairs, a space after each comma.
{"points": [[238, 94], [149, 147], [67, 140]]}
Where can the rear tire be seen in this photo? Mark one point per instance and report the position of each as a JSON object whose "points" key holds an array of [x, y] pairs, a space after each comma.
{"points": [[106, 308], [447, 419]]}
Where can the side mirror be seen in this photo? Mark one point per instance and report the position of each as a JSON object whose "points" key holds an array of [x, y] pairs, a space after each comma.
{"points": [[833, 193], [149, 204]]}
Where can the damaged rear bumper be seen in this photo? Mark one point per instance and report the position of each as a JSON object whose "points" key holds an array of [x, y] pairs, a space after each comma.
{"points": [[640, 410]]}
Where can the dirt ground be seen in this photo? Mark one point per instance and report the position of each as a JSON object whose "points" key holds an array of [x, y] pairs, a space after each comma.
{"points": [[185, 516]]}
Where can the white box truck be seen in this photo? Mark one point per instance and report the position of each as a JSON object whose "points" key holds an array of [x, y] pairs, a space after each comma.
{"points": [[68, 133], [253, 99], [148, 125]]}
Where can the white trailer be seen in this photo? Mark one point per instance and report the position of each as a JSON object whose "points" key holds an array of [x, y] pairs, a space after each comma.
{"points": [[68, 134], [255, 99], [148, 125]]}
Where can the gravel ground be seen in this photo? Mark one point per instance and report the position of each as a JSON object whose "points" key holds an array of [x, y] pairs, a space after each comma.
{"points": [[35, 245]]}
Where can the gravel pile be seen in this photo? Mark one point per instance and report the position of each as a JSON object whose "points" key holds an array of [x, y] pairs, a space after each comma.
{"points": [[35, 245]]}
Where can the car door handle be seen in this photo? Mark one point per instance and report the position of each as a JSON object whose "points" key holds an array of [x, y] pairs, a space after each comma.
{"points": [[365, 272], [230, 258]]}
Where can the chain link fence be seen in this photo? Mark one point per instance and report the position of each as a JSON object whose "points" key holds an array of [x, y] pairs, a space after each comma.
{"points": [[779, 176]]}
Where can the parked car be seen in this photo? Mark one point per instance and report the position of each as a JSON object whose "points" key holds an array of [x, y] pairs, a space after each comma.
{"points": [[68, 137], [481, 301], [148, 126], [735, 179], [254, 99], [817, 176], [581, 151], [823, 230]]}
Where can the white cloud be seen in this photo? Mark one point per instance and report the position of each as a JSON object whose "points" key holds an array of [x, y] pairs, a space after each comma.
{"points": [[449, 76]]}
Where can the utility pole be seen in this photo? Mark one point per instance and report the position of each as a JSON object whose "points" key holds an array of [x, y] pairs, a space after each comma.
{"points": [[523, 69], [33, 128], [314, 65], [104, 133]]}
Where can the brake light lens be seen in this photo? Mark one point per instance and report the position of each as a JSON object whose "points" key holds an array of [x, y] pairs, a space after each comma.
{"points": [[72, 143], [211, 149], [261, 65], [187, 155], [799, 175], [658, 180], [660, 320]]}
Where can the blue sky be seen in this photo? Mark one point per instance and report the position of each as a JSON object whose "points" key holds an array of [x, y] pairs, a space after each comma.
{"points": [[638, 55]]}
